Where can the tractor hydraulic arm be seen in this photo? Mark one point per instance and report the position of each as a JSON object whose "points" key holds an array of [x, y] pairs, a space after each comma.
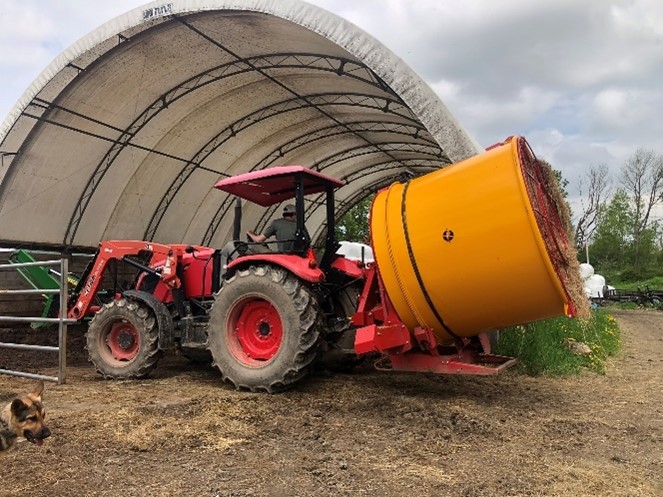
{"points": [[117, 250]]}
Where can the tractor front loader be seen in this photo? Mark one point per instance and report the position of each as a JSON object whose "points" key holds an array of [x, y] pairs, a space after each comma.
{"points": [[167, 305]]}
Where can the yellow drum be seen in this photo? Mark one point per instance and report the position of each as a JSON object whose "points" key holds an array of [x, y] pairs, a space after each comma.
{"points": [[473, 247]]}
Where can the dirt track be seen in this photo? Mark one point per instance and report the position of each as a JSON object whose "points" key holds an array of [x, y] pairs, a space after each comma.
{"points": [[183, 432]]}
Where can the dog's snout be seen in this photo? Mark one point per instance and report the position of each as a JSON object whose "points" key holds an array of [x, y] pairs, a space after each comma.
{"points": [[34, 436]]}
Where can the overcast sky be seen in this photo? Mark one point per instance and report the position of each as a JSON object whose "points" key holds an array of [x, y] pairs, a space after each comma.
{"points": [[581, 79]]}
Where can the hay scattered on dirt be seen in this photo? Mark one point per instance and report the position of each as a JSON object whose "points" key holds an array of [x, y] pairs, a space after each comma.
{"points": [[183, 432]]}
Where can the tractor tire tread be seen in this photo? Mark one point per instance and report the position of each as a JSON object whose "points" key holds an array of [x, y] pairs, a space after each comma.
{"points": [[301, 360], [145, 324]]}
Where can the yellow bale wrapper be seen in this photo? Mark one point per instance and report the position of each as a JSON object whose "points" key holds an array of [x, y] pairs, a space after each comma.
{"points": [[476, 246]]}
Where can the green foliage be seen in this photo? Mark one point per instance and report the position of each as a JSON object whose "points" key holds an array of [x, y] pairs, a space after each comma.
{"points": [[543, 347], [613, 251], [649, 252], [629, 306], [627, 245], [353, 226], [561, 180], [654, 283], [611, 247]]}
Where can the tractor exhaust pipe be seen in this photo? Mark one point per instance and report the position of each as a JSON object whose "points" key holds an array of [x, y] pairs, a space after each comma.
{"points": [[237, 223]]}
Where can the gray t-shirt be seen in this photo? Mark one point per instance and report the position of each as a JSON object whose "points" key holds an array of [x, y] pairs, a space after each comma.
{"points": [[285, 230]]}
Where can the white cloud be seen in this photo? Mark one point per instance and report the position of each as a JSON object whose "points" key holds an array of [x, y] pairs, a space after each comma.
{"points": [[491, 119], [24, 36], [22, 23], [611, 104], [580, 79], [626, 108]]}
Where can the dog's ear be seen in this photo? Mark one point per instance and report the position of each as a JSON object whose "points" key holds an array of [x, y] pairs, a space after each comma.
{"points": [[38, 389], [18, 407]]}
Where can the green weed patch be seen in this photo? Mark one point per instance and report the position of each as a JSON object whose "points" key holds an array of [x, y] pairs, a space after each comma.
{"points": [[545, 347]]}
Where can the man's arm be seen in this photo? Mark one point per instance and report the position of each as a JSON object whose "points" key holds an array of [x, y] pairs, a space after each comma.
{"points": [[255, 237]]}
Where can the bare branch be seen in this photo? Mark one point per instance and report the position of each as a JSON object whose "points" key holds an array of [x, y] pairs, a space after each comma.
{"points": [[642, 174], [598, 189]]}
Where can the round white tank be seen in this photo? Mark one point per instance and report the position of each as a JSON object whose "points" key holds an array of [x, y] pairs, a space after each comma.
{"points": [[586, 270], [594, 286], [353, 251]]}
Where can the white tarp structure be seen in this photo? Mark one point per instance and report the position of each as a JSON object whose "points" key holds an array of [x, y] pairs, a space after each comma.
{"points": [[124, 134]]}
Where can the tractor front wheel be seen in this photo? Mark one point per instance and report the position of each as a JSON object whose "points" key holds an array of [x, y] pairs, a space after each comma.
{"points": [[123, 340], [265, 329]]}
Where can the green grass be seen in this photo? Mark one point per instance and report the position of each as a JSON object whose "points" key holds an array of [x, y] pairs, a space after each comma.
{"points": [[542, 347], [655, 283], [629, 306]]}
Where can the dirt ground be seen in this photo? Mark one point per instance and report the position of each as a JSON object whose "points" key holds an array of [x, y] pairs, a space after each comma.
{"points": [[183, 432]]}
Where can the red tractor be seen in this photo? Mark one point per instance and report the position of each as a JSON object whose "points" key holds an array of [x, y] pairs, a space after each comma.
{"points": [[267, 318], [276, 313]]}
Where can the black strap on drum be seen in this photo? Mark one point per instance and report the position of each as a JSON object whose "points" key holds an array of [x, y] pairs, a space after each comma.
{"points": [[413, 261]]}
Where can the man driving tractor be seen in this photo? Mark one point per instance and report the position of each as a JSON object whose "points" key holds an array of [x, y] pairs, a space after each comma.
{"points": [[284, 228]]}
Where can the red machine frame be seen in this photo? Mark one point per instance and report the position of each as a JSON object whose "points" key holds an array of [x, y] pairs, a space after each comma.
{"points": [[381, 330]]}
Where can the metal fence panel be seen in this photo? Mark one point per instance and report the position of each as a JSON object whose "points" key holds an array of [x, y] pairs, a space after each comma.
{"points": [[61, 320]]}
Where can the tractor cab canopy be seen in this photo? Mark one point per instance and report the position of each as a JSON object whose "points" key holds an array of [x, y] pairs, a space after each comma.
{"points": [[276, 184]]}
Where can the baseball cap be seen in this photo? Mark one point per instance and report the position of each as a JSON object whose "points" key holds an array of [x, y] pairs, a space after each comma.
{"points": [[289, 209]]}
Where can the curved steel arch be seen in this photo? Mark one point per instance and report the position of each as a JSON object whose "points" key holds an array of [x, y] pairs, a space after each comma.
{"points": [[390, 146], [272, 110], [341, 156], [360, 195], [178, 182], [352, 127], [338, 65], [302, 140], [429, 167], [349, 203]]}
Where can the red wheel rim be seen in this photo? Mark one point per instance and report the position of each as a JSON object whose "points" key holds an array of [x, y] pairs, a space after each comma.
{"points": [[258, 331], [123, 341]]}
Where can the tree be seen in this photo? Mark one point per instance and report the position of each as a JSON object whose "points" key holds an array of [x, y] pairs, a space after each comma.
{"points": [[642, 176], [612, 237], [597, 182], [353, 226], [561, 180]]}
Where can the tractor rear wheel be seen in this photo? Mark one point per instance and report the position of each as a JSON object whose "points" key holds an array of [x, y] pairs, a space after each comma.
{"points": [[265, 329], [123, 340]]}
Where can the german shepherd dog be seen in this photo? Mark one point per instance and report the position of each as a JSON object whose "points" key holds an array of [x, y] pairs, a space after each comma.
{"points": [[24, 417]]}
